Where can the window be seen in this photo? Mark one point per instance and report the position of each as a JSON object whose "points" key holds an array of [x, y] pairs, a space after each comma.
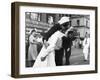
{"points": [[78, 22]]}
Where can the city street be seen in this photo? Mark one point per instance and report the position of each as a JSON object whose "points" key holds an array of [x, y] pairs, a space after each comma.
{"points": [[77, 57]]}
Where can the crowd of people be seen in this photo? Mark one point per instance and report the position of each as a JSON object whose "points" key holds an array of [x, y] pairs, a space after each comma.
{"points": [[48, 50]]}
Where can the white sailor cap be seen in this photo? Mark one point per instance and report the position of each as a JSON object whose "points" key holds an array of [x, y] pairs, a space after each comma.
{"points": [[63, 20]]}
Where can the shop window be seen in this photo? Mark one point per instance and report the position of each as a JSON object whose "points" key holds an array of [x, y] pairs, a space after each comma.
{"points": [[35, 16], [27, 15]]}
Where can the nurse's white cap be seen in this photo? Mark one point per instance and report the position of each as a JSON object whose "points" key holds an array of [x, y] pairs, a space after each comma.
{"points": [[63, 20]]}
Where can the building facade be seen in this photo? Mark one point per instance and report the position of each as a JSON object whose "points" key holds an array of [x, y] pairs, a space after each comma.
{"points": [[81, 23], [42, 22]]}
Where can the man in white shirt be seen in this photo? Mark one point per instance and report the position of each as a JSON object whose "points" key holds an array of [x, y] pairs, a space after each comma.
{"points": [[86, 46]]}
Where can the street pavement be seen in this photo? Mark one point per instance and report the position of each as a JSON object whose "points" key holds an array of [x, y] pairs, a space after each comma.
{"points": [[77, 57]]}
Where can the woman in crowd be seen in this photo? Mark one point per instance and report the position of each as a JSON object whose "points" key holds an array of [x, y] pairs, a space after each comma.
{"points": [[32, 50]]}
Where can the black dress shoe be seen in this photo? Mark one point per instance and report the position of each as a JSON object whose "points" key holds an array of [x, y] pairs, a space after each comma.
{"points": [[85, 60]]}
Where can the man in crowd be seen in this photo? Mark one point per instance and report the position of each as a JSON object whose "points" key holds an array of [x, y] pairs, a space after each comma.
{"points": [[67, 43]]}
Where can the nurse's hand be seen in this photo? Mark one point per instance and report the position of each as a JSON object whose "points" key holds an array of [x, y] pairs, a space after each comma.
{"points": [[66, 33], [43, 58]]}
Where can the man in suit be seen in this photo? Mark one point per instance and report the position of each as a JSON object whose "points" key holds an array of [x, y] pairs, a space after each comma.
{"points": [[67, 43], [63, 24]]}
